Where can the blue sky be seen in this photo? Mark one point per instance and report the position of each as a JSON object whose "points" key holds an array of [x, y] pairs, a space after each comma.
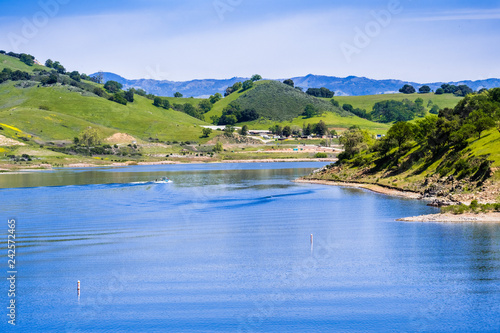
{"points": [[411, 40]]}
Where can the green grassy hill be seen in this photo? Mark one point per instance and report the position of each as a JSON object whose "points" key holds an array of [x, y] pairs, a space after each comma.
{"points": [[367, 102], [61, 112], [14, 64], [57, 113], [278, 103]]}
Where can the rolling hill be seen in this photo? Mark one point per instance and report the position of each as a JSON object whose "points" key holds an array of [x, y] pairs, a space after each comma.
{"points": [[348, 86], [280, 102], [60, 112]]}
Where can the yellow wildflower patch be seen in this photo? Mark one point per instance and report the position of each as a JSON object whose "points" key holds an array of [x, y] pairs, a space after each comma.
{"points": [[11, 127]]}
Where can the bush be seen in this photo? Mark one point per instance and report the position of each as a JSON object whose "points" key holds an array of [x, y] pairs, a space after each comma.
{"points": [[321, 155]]}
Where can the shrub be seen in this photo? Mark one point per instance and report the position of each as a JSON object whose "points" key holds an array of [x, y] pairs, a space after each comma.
{"points": [[321, 155]]}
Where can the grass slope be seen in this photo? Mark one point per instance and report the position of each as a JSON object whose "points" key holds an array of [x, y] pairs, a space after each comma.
{"points": [[15, 64], [220, 105], [367, 102], [332, 120], [69, 113], [280, 102]]}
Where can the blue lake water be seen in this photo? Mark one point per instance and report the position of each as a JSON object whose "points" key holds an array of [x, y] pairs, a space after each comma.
{"points": [[226, 248]]}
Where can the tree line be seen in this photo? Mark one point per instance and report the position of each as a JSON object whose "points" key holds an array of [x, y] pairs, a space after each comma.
{"points": [[460, 90], [243, 86]]}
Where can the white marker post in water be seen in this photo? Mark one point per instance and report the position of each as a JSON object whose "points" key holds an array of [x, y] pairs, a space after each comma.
{"points": [[78, 287]]}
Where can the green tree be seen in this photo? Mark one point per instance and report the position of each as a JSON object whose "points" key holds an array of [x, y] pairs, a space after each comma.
{"points": [[178, 95], [215, 119], [98, 91], [75, 76], [289, 82], [229, 91], [218, 147], [230, 120], [320, 128], [206, 132], [157, 101], [306, 130], [58, 67], [27, 59], [118, 97], [90, 137], [287, 131], [256, 77], [276, 130], [49, 63], [166, 104], [129, 95], [348, 107], [407, 89], [333, 133], [320, 92], [244, 130], [51, 79], [215, 98], [463, 90], [481, 121], [424, 90], [113, 86], [228, 130], [354, 141], [205, 106], [401, 132], [192, 111], [439, 91], [434, 109], [247, 85], [310, 111], [237, 86]]}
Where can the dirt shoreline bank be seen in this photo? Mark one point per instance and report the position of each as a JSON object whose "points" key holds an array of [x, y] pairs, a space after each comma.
{"points": [[447, 217], [371, 187], [45, 167]]}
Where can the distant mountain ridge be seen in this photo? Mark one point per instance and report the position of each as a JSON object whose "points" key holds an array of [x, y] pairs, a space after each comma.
{"points": [[348, 86]]}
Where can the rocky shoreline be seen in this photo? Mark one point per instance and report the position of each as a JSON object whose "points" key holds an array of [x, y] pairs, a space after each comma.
{"points": [[433, 201]]}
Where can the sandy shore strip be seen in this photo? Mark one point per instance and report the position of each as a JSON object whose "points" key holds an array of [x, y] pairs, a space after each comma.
{"points": [[460, 218], [371, 187], [44, 167], [279, 160]]}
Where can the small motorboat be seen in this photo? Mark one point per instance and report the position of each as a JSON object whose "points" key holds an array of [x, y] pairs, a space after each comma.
{"points": [[162, 180]]}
